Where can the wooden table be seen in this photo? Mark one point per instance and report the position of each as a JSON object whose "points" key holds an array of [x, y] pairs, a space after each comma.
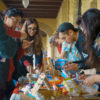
{"points": [[49, 94], [25, 97]]}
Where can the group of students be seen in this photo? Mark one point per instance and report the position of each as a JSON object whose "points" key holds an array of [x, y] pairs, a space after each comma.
{"points": [[80, 46], [22, 49], [19, 50]]}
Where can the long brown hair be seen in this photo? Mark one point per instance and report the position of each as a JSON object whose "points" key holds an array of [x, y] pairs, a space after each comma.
{"points": [[90, 22], [36, 47]]}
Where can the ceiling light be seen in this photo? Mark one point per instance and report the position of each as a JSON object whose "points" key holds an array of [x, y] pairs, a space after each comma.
{"points": [[25, 3]]}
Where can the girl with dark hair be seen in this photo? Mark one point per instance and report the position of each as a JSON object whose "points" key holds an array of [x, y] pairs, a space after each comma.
{"points": [[89, 22], [32, 30], [33, 53]]}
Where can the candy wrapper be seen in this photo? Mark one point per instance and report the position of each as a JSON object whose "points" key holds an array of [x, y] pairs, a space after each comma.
{"points": [[56, 83], [59, 63], [48, 64], [33, 87], [90, 90], [72, 87], [64, 74]]}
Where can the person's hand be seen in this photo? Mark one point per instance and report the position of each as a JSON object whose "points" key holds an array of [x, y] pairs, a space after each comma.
{"points": [[90, 80], [23, 35], [38, 69], [26, 43], [71, 67], [30, 69], [82, 77], [24, 26]]}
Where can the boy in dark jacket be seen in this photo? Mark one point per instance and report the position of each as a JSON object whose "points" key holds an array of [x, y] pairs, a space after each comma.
{"points": [[8, 44]]}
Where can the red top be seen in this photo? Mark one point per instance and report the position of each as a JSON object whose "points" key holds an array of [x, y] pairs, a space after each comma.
{"points": [[16, 90], [26, 63], [13, 33], [21, 53], [11, 69], [59, 48]]}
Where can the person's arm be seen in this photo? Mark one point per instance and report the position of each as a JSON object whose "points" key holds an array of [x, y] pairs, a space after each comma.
{"points": [[23, 33], [8, 46], [77, 65], [62, 55], [16, 34], [12, 33], [26, 43], [92, 79], [29, 66], [71, 67], [23, 27], [65, 49], [26, 63], [82, 63]]}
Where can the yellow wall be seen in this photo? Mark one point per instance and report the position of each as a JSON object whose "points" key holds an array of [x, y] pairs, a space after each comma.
{"points": [[73, 11], [68, 12], [86, 4], [98, 4], [63, 13], [50, 22], [69, 9], [48, 26], [44, 43], [2, 5], [49, 48]]}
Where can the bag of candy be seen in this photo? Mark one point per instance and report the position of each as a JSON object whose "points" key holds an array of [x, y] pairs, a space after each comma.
{"points": [[72, 87]]}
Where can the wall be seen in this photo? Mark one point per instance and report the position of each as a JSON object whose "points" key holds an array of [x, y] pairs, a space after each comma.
{"points": [[50, 22], [86, 4], [98, 4], [63, 13], [48, 26], [2, 5], [68, 12]]}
